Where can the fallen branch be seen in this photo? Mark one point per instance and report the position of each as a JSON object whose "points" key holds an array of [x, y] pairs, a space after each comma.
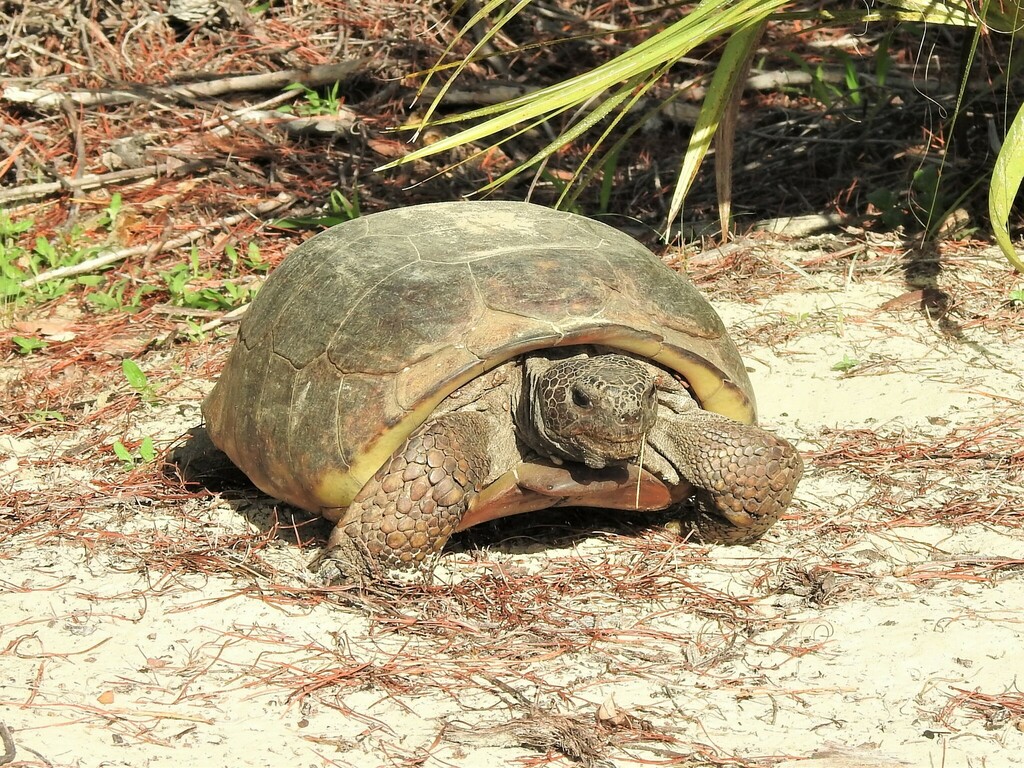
{"points": [[112, 257], [779, 79], [86, 181], [344, 121], [313, 77], [234, 316]]}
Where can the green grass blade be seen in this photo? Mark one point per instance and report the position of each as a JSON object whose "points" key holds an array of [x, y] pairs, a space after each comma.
{"points": [[612, 152], [570, 193], [479, 16], [482, 43], [957, 14], [520, 130], [725, 136], [708, 20], [592, 118], [727, 78], [1006, 181]]}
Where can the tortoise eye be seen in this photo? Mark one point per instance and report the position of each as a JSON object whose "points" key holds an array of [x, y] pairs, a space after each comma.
{"points": [[580, 398]]}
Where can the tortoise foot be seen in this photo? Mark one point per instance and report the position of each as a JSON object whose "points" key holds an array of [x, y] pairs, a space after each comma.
{"points": [[404, 515], [743, 477], [750, 478]]}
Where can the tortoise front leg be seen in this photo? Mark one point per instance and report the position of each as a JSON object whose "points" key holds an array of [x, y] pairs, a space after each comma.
{"points": [[743, 477], [414, 503]]}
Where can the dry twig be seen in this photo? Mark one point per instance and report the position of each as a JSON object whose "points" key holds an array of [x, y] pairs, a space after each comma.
{"points": [[311, 78], [112, 257], [82, 183]]}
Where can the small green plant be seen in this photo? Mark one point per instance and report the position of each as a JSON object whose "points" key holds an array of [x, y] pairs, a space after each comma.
{"points": [[889, 206], [20, 262], [176, 280], [854, 90], [255, 261], [11, 255], [138, 380], [235, 295], [109, 215], [339, 204], [25, 345], [229, 295], [608, 179], [144, 453], [883, 60], [252, 259], [825, 87], [193, 331], [1015, 298], [339, 209], [846, 364], [41, 415], [314, 102], [126, 295], [926, 194], [115, 297], [10, 229]]}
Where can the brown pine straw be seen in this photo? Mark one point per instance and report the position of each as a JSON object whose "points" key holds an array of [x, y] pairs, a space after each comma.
{"points": [[996, 709], [968, 474], [199, 165]]}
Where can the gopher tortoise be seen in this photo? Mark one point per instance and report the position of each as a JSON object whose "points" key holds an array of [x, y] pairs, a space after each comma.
{"points": [[415, 372]]}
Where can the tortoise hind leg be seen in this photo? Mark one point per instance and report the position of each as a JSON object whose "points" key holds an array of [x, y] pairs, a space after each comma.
{"points": [[743, 477], [414, 503]]}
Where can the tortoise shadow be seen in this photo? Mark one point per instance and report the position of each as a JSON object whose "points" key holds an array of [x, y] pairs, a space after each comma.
{"points": [[202, 466]]}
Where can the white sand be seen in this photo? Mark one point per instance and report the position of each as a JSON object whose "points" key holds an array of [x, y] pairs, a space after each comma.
{"points": [[837, 641]]}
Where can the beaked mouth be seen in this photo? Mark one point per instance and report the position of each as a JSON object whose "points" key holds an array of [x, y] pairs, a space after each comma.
{"points": [[616, 450]]}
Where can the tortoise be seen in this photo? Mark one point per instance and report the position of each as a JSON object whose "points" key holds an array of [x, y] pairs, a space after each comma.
{"points": [[414, 372]]}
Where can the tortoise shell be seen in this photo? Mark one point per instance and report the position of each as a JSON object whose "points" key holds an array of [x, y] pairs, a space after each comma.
{"points": [[365, 328]]}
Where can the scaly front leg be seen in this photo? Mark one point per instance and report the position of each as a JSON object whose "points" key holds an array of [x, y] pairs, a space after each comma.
{"points": [[413, 504], [743, 476]]}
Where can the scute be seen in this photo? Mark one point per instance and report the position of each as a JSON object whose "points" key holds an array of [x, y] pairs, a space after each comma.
{"points": [[665, 306], [295, 282], [365, 328], [473, 231], [405, 317], [539, 287]]}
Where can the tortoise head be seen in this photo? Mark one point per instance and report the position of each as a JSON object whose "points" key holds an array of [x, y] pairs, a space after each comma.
{"points": [[596, 410]]}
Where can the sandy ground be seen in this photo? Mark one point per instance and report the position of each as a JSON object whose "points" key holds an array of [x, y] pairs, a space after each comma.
{"points": [[879, 624]]}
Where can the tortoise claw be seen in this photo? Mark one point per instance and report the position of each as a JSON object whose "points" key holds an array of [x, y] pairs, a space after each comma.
{"points": [[341, 564]]}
